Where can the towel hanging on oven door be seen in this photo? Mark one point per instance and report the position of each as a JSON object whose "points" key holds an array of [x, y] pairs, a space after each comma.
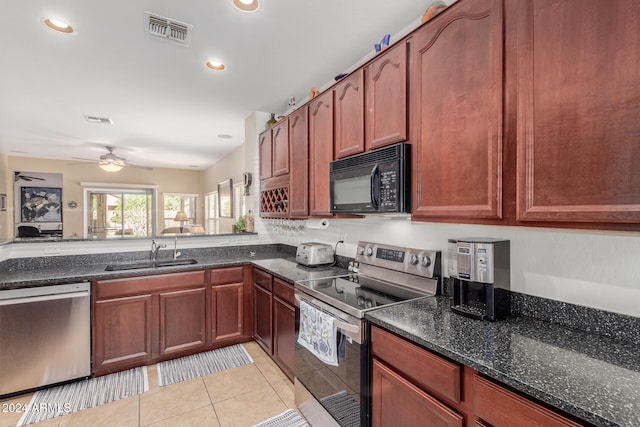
{"points": [[318, 333]]}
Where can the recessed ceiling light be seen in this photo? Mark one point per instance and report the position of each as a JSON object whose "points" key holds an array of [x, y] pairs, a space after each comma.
{"points": [[246, 5], [58, 25], [216, 65], [224, 136]]}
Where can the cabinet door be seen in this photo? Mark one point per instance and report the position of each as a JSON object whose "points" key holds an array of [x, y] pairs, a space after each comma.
{"points": [[397, 402], [456, 112], [262, 316], [227, 312], [182, 320], [386, 103], [321, 152], [122, 332], [280, 148], [284, 336], [299, 155], [349, 117], [264, 141], [578, 111], [502, 408]]}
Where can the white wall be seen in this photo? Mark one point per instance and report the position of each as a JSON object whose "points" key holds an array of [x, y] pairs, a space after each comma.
{"points": [[591, 268]]}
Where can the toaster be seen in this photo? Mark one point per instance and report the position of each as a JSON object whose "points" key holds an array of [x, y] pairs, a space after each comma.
{"points": [[314, 253]]}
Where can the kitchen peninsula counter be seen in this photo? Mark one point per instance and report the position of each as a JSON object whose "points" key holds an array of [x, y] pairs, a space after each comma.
{"points": [[592, 377]]}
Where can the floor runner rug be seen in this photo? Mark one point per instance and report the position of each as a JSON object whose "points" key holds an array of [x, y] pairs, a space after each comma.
{"points": [[73, 397], [201, 364], [288, 418]]}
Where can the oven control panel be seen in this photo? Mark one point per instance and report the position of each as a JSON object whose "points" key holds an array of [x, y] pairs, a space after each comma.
{"points": [[421, 262]]}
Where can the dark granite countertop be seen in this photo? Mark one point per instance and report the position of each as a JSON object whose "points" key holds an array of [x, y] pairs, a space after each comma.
{"points": [[593, 377], [45, 271]]}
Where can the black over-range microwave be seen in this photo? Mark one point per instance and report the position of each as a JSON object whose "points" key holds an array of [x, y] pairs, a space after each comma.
{"points": [[377, 181]]}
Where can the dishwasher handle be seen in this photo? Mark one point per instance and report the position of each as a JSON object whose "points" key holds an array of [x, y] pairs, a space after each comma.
{"points": [[39, 298]]}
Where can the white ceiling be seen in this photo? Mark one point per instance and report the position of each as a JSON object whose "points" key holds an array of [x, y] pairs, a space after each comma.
{"points": [[167, 107]]}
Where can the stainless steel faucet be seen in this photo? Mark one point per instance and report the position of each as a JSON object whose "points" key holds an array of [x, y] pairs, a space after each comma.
{"points": [[176, 254], [155, 249]]}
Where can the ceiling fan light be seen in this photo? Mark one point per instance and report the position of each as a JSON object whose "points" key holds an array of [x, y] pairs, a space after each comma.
{"points": [[247, 5], [110, 166]]}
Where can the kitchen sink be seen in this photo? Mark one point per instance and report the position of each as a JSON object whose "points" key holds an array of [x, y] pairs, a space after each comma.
{"points": [[150, 264]]}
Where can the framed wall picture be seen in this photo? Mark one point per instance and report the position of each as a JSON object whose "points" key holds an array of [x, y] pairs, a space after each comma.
{"points": [[3, 202], [40, 204]]}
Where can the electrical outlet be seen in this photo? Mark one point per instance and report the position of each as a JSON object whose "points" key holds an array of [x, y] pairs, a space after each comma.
{"points": [[51, 251]]}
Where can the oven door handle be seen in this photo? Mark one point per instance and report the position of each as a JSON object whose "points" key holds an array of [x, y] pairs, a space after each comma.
{"points": [[354, 329]]}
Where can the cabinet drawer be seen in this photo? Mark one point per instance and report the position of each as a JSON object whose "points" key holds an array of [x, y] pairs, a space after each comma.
{"points": [[223, 276], [423, 368], [263, 279], [503, 408], [146, 284], [283, 290]]}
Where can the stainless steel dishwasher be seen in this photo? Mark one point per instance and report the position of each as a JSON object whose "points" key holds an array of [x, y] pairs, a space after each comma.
{"points": [[45, 336]]}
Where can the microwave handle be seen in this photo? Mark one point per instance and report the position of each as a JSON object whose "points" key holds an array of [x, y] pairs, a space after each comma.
{"points": [[375, 186]]}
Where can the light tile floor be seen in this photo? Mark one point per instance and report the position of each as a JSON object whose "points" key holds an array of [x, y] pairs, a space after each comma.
{"points": [[233, 398]]}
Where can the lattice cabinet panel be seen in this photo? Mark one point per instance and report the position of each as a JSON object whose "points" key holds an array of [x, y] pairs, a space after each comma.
{"points": [[274, 202]]}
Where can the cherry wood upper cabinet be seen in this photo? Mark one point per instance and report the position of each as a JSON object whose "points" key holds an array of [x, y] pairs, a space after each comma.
{"points": [[456, 112], [280, 148], [264, 142], [578, 111], [386, 98], [299, 155], [320, 152], [349, 115]]}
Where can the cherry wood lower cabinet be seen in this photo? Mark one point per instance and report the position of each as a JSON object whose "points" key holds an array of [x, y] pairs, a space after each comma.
{"points": [[230, 304], [262, 309], [284, 326], [411, 386], [146, 319], [275, 319]]}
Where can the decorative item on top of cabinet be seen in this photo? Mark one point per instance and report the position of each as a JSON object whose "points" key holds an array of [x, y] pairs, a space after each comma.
{"points": [[456, 112], [349, 117], [386, 98], [434, 8], [320, 152], [578, 111], [272, 121]]}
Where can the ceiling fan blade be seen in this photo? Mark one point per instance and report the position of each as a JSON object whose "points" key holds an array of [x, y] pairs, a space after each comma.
{"points": [[86, 160], [135, 165]]}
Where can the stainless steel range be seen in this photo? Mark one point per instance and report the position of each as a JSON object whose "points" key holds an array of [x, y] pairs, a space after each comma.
{"points": [[332, 363]]}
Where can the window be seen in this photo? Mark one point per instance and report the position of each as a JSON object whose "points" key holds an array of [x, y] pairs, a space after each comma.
{"points": [[212, 223], [120, 212], [174, 203], [238, 201]]}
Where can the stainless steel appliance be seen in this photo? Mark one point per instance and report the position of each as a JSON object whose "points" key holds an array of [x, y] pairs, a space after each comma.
{"points": [[481, 282], [338, 394], [314, 253], [377, 181], [45, 336]]}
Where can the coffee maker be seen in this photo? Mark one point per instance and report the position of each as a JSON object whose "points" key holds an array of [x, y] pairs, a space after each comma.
{"points": [[479, 270]]}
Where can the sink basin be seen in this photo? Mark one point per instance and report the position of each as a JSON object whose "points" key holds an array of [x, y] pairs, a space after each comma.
{"points": [[150, 264]]}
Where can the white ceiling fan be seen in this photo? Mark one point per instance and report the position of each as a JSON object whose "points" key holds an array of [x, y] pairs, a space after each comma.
{"points": [[113, 163]]}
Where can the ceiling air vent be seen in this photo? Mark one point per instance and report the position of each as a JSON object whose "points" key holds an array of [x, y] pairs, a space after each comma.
{"points": [[167, 28], [101, 120]]}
